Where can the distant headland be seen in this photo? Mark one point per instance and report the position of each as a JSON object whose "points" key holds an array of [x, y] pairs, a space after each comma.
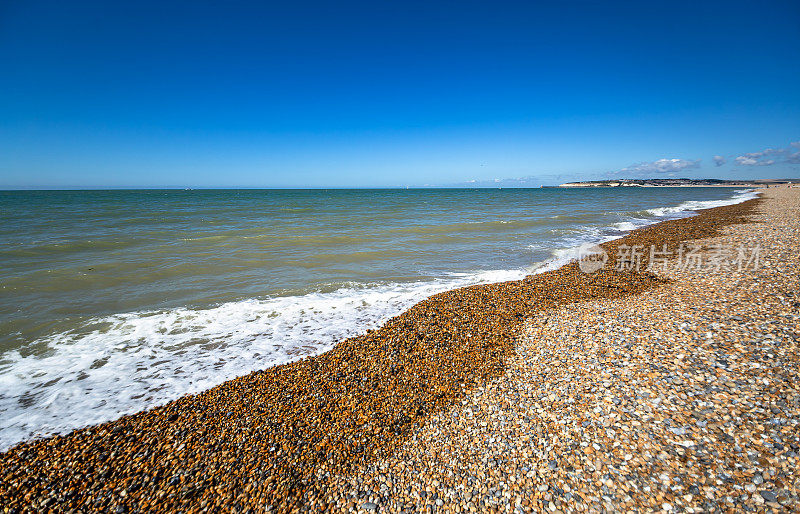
{"points": [[677, 182]]}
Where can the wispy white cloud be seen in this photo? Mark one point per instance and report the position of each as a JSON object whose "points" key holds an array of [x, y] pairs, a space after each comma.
{"points": [[794, 157], [659, 166], [771, 156], [758, 158], [751, 160], [719, 160]]}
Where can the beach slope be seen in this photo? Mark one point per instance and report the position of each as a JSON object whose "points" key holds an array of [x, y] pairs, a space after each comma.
{"points": [[683, 398]]}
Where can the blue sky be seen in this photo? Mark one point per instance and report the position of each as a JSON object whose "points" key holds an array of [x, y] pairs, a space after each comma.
{"points": [[309, 94]]}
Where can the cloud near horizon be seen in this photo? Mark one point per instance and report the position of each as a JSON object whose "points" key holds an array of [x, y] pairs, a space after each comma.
{"points": [[794, 156], [770, 156], [766, 157], [757, 158], [659, 166]]}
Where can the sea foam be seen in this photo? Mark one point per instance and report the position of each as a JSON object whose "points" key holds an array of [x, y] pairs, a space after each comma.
{"points": [[127, 362]]}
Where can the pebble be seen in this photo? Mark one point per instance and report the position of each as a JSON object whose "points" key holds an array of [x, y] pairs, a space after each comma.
{"points": [[768, 496]]}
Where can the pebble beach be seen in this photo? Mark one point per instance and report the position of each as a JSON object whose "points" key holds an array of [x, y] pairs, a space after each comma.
{"points": [[684, 398], [674, 389]]}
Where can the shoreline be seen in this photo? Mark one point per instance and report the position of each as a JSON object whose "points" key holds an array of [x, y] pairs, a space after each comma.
{"points": [[683, 398], [246, 345], [332, 413]]}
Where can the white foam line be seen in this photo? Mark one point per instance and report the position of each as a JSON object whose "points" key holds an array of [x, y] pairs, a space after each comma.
{"points": [[597, 236], [128, 362]]}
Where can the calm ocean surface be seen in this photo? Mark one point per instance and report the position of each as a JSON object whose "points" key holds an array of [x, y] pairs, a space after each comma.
{"points": [[115, 301]]}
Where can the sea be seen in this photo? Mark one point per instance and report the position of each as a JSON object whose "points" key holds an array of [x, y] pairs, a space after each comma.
{"points": [[112, 302]]}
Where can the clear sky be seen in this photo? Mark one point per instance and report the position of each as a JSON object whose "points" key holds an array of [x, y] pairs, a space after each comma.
{"points": [[277, 94]]}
